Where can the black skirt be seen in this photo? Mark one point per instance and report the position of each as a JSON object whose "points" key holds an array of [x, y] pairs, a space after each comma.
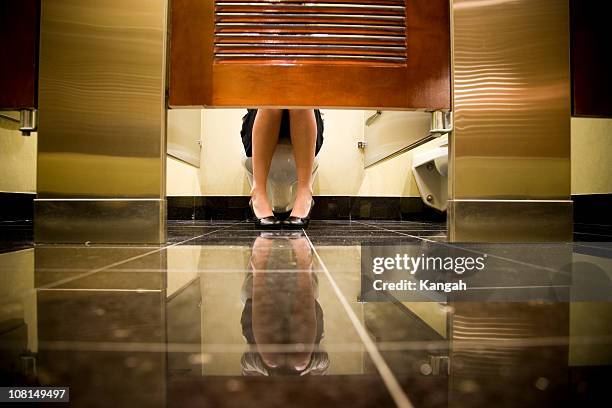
{"points": [[247, 129]]}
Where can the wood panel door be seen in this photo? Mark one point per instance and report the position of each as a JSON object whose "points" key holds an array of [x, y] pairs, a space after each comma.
{"points": [[19, 30], [327, 53]]}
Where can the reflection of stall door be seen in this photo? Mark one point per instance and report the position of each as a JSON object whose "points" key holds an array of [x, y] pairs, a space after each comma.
{"points": [[328, 53]]}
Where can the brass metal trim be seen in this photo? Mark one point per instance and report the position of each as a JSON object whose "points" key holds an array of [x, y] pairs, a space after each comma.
{"points": [[510, 220], [100, 221]]}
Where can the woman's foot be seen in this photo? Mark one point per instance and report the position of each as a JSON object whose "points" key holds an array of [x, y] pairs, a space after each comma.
{"points": [[302, 205], [260, 204], [263, 216], [300, 215]]}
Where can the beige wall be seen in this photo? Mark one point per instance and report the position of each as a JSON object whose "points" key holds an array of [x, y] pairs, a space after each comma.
{"points": [[17, 158], [340, 172], [591, 155]]}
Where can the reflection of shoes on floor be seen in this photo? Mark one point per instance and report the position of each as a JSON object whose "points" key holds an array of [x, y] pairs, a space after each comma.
{"points": [[272, 234], [269, 222], [278, 234], [293, 222]]}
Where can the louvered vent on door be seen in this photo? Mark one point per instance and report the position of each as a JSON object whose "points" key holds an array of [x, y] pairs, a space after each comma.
{"points": [[293, 31]]}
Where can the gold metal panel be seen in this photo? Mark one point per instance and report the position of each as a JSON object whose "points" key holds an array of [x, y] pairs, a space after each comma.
{"points": [[509, 221], [99, 221], [101, 99], [511, 100]]}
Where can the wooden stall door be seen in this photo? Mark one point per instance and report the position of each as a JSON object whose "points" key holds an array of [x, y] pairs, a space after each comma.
{"points": [[391, 54], [19, 30]]}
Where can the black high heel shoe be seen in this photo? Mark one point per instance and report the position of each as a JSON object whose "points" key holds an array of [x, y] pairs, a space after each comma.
{"points": [[269, 222], [294, 222]]}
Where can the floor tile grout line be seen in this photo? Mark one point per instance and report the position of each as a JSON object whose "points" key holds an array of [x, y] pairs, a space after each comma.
{"points": [[482, 253], [587, 223], [457, 345], [236, 271], [395, 390], [520, 287], [99, 290], [589, 233], [179, 271], [93, 271], [586, 245], [397, 232]]}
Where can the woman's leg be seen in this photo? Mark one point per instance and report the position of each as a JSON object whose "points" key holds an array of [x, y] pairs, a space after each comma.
{"points": [[265, 138], [303, 138]]}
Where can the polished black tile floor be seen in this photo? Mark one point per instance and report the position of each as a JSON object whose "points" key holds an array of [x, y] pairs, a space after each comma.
{"points": [[226, 315]]}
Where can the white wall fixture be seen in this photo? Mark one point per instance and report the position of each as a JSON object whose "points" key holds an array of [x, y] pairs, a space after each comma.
{"points": [[430, 169]]}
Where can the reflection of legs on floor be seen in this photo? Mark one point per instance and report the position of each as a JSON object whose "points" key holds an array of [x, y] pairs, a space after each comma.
{"points": [[283, 308], [303, 253], [303, 138], [263, 313], [303, 329], [260, 253], [265, 139]]}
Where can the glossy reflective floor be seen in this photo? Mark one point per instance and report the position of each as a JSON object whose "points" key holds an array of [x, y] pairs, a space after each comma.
{"points": [[225, 315]]}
